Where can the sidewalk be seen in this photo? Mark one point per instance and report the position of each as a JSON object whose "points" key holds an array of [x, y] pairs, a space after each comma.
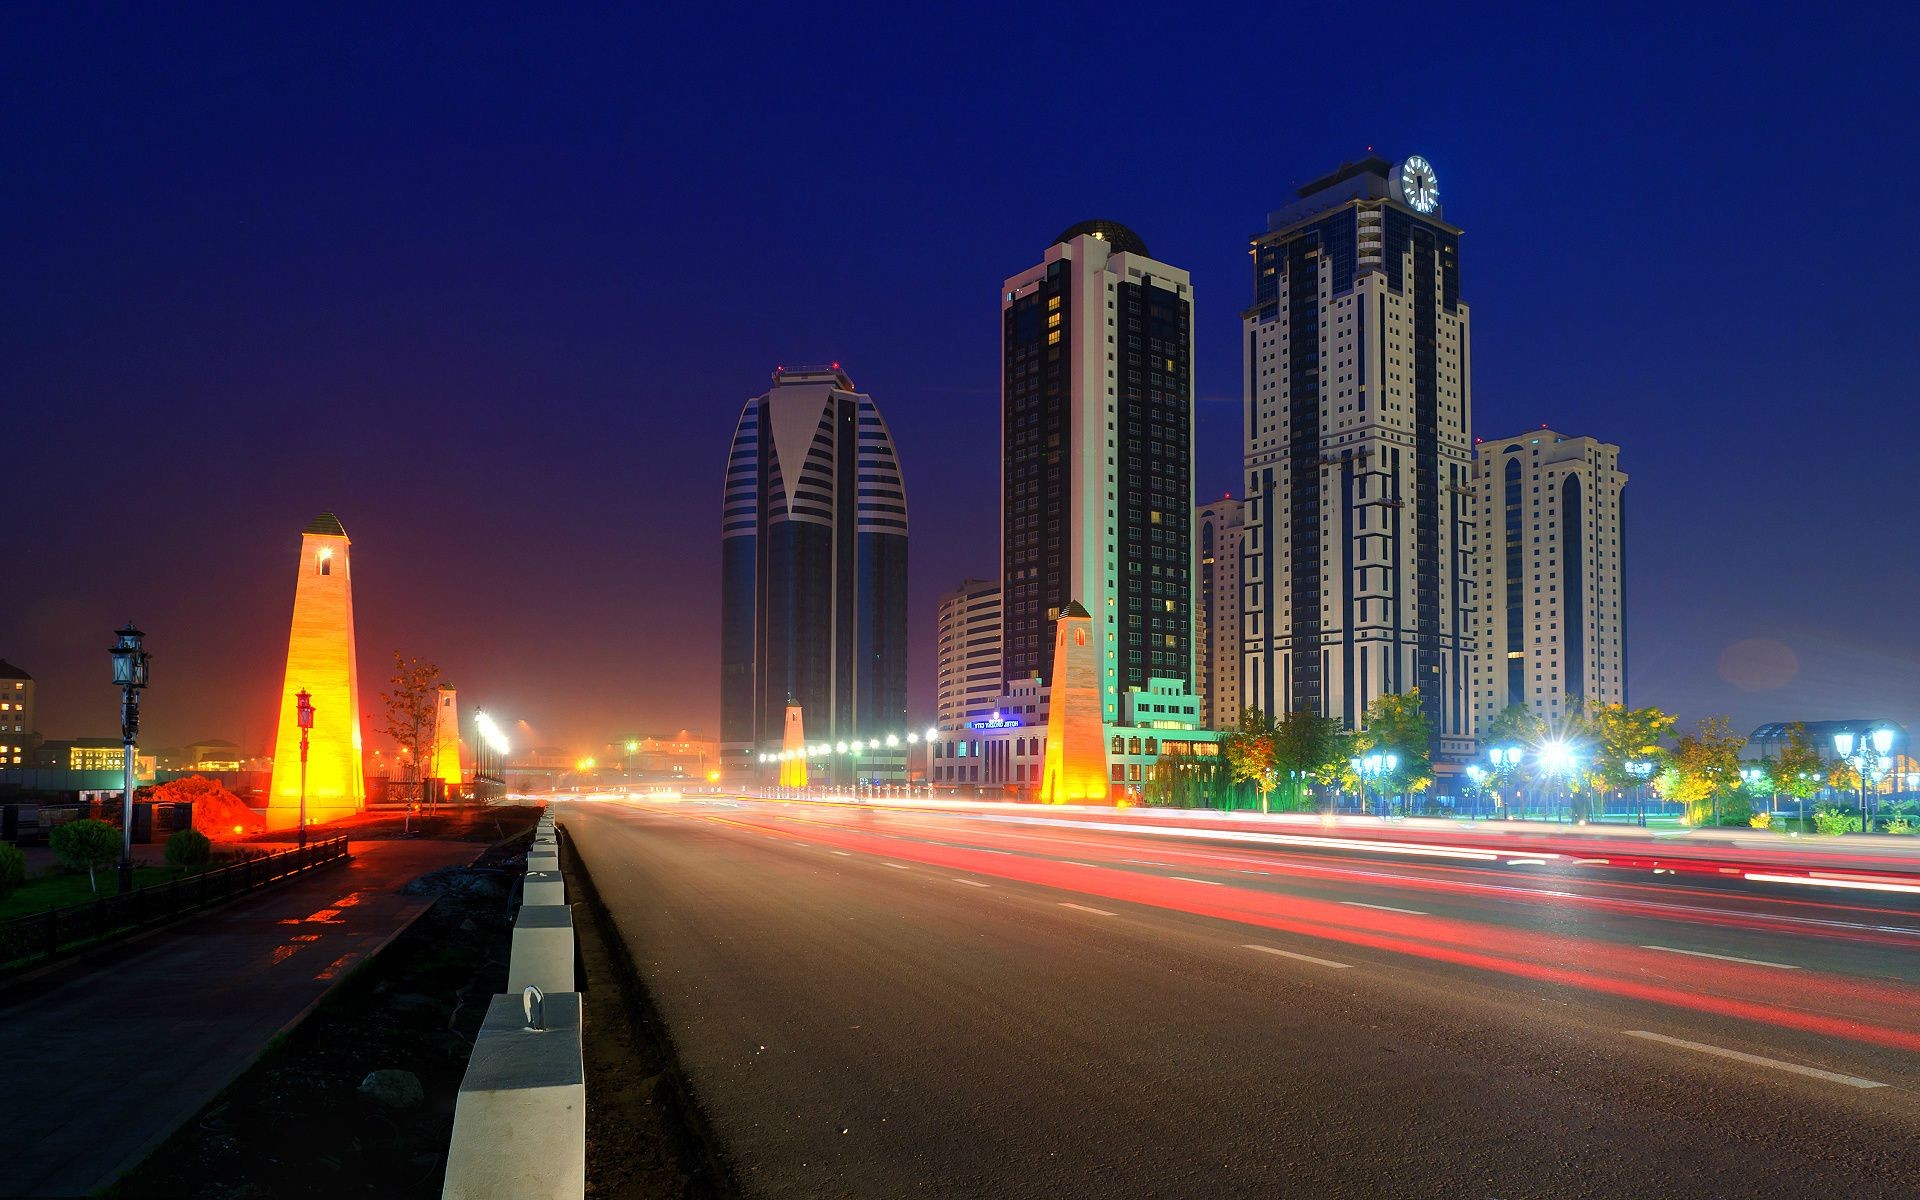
{"points": [[107, 1056]]}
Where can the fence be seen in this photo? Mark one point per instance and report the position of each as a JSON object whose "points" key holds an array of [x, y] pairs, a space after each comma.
{"points": [[25, 941]]}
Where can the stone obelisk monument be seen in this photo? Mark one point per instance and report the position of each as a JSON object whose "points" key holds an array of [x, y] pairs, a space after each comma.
{"points": [[793, 740], [1074, 770]]}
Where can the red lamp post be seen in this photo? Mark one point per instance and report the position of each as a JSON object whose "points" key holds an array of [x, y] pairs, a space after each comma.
{"points": [[303, 711]]}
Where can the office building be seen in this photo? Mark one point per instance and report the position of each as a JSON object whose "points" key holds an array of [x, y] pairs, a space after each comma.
{"points": [[813, 573], [1548, 561], [967, 674], [1097, 461], [1358, 460], [18, 735], [1218, 529]]}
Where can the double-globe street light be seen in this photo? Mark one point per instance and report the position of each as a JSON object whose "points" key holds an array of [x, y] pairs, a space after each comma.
{"points": [[1506, 760], [130, 672], [1375, 766], [1641, 770], [1865, 754]]}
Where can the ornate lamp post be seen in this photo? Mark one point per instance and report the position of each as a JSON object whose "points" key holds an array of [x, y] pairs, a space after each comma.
{"points": [[1478, 774], [303, 711], [1506, 761], [130, 672], [1376, 767], [1641, 770], [1865, 761]]}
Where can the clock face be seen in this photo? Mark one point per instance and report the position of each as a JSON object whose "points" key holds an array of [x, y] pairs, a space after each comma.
{"points": [[1419, 185]]}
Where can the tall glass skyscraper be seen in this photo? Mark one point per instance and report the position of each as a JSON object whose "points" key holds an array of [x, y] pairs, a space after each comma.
{"points": [[1097, 460], [813, 602], [1359, 465]]}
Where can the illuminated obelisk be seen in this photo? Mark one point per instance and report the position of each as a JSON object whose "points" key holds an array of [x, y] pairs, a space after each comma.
{"points": [[793, 740], [1074, 770], [320, 660], [446, 738]]}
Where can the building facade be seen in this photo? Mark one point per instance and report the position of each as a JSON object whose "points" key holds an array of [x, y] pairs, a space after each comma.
{"points": [[1097, 460], [1549, 567], [967, 677], [1358, 458], [18, 710], [1218, 532], [813, 569]]}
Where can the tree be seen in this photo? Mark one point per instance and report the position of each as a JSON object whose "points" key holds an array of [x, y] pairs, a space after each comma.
{"points": [[1249, 752], [189, 848], [1305, 744], [1396, 724], [412, 701], [13, 868], [1188, 781], [1799, 769], [1515, 725], [1707, 767], [1620, 735], [86, 846]]}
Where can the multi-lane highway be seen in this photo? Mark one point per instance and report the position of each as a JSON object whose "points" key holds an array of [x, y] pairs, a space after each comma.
{"points": [[881, 1002]]}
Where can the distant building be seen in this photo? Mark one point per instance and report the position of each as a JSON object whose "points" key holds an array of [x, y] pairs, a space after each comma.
{"points": [[1219, 528], [681, 755], [967, 675], [1768, 740], [813, 603], [18, 733], [1358, 460], [1097, 460], [215, 754], [1548, 564]]}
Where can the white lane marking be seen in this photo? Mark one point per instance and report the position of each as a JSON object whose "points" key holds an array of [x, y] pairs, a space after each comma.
{"points": [[971, 882], [1589, 862], [897, 866], [1143, 862], [1755, 1059], [1754, 962], [1865, 885], [1191, 879], [1308, 958], [1526, 862], [1412, 912], [843, 854], [1100, 912]]}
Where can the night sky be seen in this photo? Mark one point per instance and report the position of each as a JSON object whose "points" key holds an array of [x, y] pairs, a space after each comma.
{"points": [[494, 290]]}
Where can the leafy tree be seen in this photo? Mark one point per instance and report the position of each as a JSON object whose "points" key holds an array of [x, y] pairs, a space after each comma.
{"points": [[412, 704], [86, 846], [13, 869], [1189, 781], [1707, 766], [1249, 752], [1799, 769], [1515, 725], [189, 848], [1396, 724], [1305, 744], [1619, 735]]}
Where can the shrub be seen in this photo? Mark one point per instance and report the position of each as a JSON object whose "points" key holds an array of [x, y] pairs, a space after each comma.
{"points": [[189, 848], [85, 846], [13, 868], [1761, 820], [1898, 823], [1831, 821]]}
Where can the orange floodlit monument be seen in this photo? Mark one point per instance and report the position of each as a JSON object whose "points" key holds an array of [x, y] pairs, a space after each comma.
{"points": [[1075, 767], [320, 659], [793, 741], [446, 738]]}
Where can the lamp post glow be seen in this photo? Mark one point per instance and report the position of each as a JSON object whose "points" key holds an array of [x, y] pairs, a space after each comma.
{"points": [[1374, 766], [1641, 770], [1865, 755], [303, 712], [130, 672], [1506, 760]]}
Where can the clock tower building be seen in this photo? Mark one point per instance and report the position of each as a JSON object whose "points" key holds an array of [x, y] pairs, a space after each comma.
{"points": [[1359, 464]]}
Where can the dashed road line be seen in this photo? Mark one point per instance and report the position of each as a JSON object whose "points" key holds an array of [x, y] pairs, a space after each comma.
{"points": [[897, 866], [1191, 879], [1412, 912], [971, 882], [1752, 962], [1306, 958], [1098, 912], [1755, 1059]]}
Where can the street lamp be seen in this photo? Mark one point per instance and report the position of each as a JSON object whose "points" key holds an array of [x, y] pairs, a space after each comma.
{"points": [[1641, 770], [1506, 760], [1478, 774], [1375, 766], [1866, 762], [303, 711], [130, 672]]}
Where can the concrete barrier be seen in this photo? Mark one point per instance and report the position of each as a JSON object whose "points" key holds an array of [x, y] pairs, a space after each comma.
{"points": [[544, 887], [520, 1124], [542, 949], [542, 860]]}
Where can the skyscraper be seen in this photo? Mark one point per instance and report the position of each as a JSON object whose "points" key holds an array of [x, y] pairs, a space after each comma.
{"points": [[320, 660], [967, 677], [813, 568], [1097, 460], [1219, 529], [1358, 458], [1549, 560]]}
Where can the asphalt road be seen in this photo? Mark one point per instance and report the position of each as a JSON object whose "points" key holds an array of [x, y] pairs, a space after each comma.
{"points": [[887, 1003]]}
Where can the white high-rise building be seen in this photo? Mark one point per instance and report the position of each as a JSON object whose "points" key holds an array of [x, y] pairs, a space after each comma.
{"points": [[1358, 457], [967, 680], [1097, 461], [1218, 531], [1548, 560]]}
